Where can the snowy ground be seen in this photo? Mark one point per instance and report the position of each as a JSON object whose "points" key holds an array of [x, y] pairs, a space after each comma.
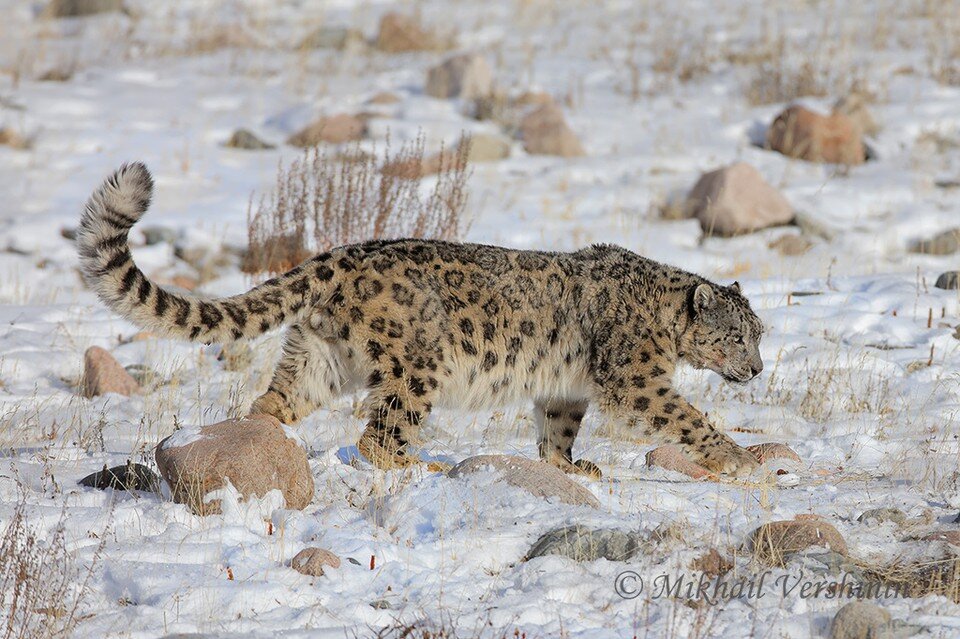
{"points": [[855, 379]]}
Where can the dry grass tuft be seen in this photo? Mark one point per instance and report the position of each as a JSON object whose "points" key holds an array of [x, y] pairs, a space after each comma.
{"points": [[776, 77], [321, 202], [41, 588], [447, 629]]}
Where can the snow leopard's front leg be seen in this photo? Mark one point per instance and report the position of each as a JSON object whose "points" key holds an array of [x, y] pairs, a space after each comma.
{"points": [[642, 395]]}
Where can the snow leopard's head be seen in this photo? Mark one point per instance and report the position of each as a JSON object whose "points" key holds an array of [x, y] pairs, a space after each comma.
{"points": [[723, 334]]}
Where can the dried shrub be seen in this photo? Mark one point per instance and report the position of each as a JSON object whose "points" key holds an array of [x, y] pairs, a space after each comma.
{"points": [[323, 201], [943, 50], [776, 77], [41, 586]]}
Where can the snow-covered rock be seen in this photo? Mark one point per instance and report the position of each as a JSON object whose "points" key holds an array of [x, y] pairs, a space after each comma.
{"points": [[254, 454], [311, 561]]}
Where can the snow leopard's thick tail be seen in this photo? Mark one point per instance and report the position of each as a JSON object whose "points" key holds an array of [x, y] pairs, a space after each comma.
{"points": [[108, 268]]}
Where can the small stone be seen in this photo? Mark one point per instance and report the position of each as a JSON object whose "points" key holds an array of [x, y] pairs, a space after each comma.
{"points": [[671, 457], [881, 515], [400, 34], [384, 97], [860, 620], [9, 137], [712, 564], [854, 106], [773, 450], [486, 147], [57, 74], [335, 129], [945, 243], [952, 537], [247, 140], [69, 233], [544, 131], [791, 245], [77, 8], [103, 374], [803, 134], [736, 199], [311, 561], [536, 477], [466, 76], [773, 541], [483, 148], [127, 477], [581, 543], [255, 454]]}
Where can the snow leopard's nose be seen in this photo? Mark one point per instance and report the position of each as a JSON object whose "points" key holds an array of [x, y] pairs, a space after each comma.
{"points": [[756, 369]]}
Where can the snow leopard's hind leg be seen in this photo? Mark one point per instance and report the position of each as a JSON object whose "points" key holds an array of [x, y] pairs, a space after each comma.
{"points": [[312, 371], [558, 422]]}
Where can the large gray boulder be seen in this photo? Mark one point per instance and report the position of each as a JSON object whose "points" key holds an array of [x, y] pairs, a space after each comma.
{"points": [[580, 543]]}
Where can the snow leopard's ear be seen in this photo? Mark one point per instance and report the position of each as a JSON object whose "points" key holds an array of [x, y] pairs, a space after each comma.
{"points": [[735, 287], [703, 298]]}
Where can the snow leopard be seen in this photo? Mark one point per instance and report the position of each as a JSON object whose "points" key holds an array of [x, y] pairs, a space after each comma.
{"points": [[420, 324]]}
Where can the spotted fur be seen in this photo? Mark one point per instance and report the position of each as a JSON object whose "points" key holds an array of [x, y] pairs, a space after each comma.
{"points": [[420, 324]]}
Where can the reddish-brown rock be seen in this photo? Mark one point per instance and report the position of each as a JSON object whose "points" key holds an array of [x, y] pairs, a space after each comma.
{"points": [[103, 374], [791, 245], [335, 129], [9, 137], [311, 561], [952, 537], [671, 457], [399, 33], [254, 453], [773, 450], [384, 97], [804, 134], [771, 542], [544, 131]]}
